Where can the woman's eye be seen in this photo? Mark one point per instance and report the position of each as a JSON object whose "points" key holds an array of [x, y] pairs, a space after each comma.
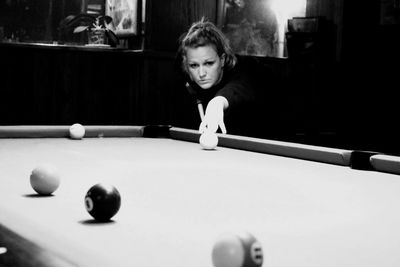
{"points": [[192, 66], [209, 63]]}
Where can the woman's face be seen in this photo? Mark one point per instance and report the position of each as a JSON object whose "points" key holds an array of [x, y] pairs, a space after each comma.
{"points": [[204, 65]]}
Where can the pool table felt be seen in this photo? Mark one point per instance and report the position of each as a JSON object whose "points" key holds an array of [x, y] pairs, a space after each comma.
{"points": [[177, 199]]}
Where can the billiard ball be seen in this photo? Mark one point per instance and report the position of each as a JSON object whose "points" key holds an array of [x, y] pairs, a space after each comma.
{"points": [[76, 131], [237, 250], [45, 179], [102, 201], [208, 140]]}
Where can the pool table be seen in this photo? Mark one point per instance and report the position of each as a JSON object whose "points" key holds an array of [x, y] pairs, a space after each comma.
{"points": [[305, 204]]}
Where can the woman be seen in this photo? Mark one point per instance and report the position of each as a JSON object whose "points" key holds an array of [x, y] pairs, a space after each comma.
{"points": [[221, 82]]}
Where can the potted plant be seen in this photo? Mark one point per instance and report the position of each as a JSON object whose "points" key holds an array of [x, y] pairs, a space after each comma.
{"points": [[98, 28]]}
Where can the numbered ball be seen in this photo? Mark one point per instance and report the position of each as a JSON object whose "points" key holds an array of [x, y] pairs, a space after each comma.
{"points": [[102, 201], [45, 179], [76, 131], [208, 140], [237, 250]]}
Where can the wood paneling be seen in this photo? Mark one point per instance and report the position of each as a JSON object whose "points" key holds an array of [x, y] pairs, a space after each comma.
{"points": [[64, 85]]}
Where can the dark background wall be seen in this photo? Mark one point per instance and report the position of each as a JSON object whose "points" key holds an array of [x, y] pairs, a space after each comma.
{"points": [[348, 101]]}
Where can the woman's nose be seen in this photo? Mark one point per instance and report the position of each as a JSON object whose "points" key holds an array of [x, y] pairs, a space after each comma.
{"points": [[202, 72]]}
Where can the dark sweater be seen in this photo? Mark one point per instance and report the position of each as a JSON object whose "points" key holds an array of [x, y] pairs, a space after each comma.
{"points": [[240, 87]]}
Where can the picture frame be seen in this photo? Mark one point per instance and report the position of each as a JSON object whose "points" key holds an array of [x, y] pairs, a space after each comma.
{"points": [[125, 16]]}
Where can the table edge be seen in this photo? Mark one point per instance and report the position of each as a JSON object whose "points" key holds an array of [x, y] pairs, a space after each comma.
{"points": [[386, 163], [337, 156], [280, 148], [59, 131]]}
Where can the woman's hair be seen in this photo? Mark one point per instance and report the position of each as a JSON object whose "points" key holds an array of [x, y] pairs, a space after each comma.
{"points": [[203, 33]]}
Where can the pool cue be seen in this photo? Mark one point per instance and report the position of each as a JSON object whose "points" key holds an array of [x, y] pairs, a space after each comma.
{"points": [[200, 109], [199, 104]]}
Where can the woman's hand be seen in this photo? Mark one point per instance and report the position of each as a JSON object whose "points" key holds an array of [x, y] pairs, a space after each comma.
{"points": [[214, 115]]}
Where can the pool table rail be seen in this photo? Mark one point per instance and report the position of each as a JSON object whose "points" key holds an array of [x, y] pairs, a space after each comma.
{"points": [[366, 160], [280, 148], [59, 131]]}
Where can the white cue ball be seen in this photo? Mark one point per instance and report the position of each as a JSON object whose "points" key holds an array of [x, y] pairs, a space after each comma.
{"points": [[45, 179], [76, 131], [208, 140], [237, 250]]}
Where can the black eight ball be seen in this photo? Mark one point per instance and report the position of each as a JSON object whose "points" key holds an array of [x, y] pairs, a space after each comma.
{"points": [[102, 201]]}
